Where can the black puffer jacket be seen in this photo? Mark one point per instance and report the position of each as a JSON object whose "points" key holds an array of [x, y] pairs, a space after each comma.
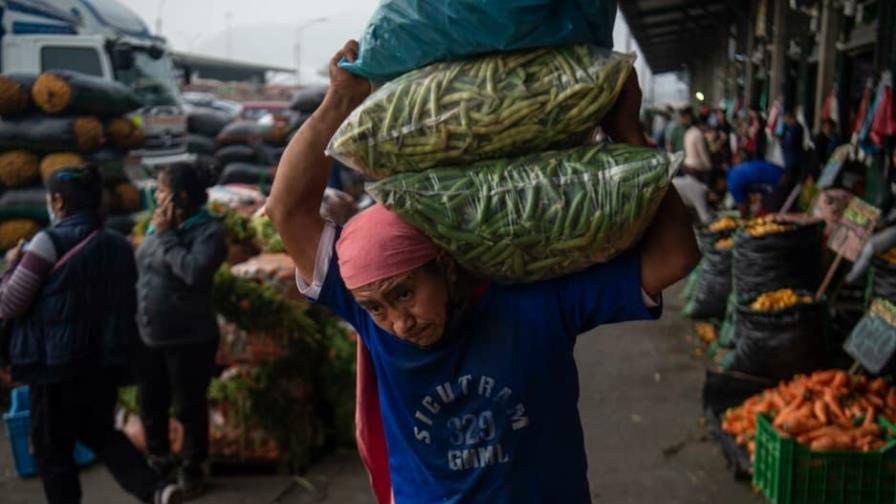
{"points": [[174, 292]]}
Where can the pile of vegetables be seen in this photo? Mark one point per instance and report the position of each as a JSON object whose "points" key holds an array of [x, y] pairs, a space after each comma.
{"points": [[780, 299], [537, 216], [13, 230], [724, 244], [827, 410], [488, 107], [724, 224], [18, 168], [889, 255], [764, 226]]}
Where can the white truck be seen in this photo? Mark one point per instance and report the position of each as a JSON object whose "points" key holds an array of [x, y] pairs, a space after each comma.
{"points": [[106, 39]]}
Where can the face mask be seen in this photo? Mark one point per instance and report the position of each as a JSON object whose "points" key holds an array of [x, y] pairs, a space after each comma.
{"points": [[53, 218]]}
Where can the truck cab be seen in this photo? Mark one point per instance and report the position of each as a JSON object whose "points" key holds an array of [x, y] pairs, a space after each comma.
{"points": [[104, 39]]}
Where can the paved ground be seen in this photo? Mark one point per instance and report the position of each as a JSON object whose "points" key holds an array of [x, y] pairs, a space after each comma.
{"points": [[640, 405]]}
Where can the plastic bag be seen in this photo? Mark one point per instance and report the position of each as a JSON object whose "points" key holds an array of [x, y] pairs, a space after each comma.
{"points": [[307, 100], [60, 91], [206, 122], [29, 204], [403, 35], [789, 259], [41, 134], [710, 296], [15, 93], [539, 216], [236, 153], [883, 280], [782, 343], [246, 173], [200, 144], [503, 105]]}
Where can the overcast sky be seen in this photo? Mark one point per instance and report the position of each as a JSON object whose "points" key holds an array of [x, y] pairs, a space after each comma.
{"points": [[264, 31], [267, 31]]}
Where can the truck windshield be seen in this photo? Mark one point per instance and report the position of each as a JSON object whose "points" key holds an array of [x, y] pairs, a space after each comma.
{"points": [[152, 79]]}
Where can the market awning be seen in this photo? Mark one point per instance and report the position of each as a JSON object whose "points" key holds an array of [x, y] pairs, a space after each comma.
{"points": [[674, 32]]}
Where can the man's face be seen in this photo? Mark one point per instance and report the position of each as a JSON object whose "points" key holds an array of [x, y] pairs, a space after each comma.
{"points": [[412, 306]]}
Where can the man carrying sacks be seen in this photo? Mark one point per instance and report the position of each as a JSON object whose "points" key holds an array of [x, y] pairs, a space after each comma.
{"points": [[476, 384]]}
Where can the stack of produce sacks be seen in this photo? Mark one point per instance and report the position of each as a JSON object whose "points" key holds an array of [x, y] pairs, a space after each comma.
{"points": [[305, 102], [883, 276], [56, 120], [775, 325], [707, 298], [248, 152], [203, 126], [490, 158]]}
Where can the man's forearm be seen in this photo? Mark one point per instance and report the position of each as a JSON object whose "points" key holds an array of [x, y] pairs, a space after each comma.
{"points": [[669, 250]]}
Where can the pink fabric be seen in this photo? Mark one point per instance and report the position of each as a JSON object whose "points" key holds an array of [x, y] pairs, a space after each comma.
{"points": [[369, 433], [376, 244]]}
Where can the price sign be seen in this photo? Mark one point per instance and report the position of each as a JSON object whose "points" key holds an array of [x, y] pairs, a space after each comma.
{"points": [[854, 229], [873, 341]]}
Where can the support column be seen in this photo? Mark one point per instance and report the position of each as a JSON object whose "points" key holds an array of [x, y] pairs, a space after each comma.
{"points": [[827, 56], [748, 64], [779, 48]]}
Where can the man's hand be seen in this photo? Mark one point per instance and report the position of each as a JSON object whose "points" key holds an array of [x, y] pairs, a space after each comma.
{"points": [[163, 218], [346, 90], [622, 122], [15, 253], [294, 204]]}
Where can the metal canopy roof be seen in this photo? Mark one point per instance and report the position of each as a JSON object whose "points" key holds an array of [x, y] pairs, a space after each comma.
{"points": [[673, 32]]}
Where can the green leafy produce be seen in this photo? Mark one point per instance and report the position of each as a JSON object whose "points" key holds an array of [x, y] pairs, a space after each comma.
{"points": [[255, 307], [539, 216], [266, 235], [484, 108]]}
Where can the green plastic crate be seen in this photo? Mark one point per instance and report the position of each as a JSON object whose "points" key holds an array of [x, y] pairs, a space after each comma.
{"points": [[789, 473]]}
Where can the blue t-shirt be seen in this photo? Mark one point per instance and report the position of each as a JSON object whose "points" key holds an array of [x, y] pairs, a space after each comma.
{"points": [[749, 176], [489, 414]]}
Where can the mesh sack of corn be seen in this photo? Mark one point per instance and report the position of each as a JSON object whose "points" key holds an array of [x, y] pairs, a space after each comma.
{"points": [[52, 163], [60, 91], [13, 230], [42, 135], [780, 334], [124, 133], [15, 93], [773, 254], [503, 105], [18, 168], [538, 216]]}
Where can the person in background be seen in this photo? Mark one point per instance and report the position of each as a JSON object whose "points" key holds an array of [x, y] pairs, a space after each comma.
{"points": [[177, 261], [674, 134], [660, 123], [792, 145], [757, 143], [753, 177], [69, 296], [697, 161], [826, 141], [466, 370]]}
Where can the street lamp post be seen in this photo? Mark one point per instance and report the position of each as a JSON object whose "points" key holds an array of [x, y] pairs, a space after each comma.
{"points": [[300, 29]]}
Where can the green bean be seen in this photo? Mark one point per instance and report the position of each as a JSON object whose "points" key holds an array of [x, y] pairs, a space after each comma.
{"points": [[555, 96], [537, 216]]}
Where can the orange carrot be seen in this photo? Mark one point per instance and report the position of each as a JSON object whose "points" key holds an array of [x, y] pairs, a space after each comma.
{"points": [[820, 411]]}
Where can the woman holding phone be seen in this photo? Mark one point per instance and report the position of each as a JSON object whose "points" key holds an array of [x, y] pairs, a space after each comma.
{"points": [[177, 262]]}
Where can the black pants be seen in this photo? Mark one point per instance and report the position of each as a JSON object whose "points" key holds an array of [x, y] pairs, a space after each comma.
{"points": [[83, 410], [181, 373]]}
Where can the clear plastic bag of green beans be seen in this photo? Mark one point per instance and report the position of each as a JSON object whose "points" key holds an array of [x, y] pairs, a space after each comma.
{"points": [[496, 106], [539, 216]]}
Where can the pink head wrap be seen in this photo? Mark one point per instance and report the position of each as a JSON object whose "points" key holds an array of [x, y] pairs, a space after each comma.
{"points": [[376, 244]]}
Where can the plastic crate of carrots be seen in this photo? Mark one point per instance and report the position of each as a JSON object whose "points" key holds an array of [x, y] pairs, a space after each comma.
{"points": [[823, 438]]}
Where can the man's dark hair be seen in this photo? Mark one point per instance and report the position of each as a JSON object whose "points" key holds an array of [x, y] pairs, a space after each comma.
{"points": [[830, 122], [190, 179], [80, 187], [686, 112]]}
